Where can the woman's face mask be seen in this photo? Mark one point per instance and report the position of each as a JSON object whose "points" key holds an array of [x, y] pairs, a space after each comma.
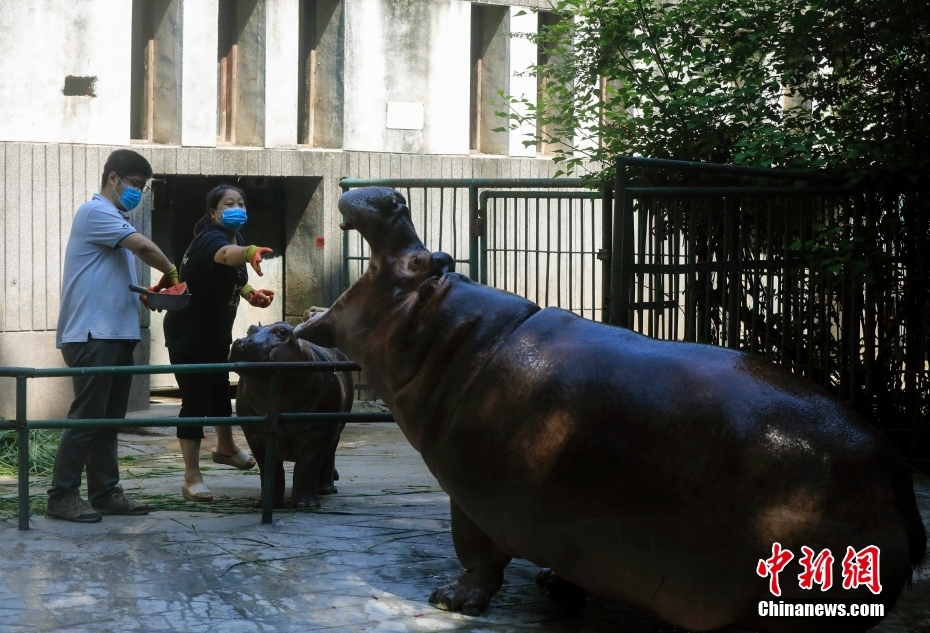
{"points": [[233, 219]]}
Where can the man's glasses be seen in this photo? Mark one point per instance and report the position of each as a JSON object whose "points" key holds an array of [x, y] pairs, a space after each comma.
{"points": [[143, 187]]}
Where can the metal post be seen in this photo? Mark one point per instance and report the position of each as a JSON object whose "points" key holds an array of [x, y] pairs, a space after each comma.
{"points": [[475, 225], [733, 286], [22, 431], [618, 301], [271, 446], [855, 344], [606, 253]]}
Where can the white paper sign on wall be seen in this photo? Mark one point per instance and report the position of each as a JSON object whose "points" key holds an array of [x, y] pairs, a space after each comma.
{"points": [[402, 115]]}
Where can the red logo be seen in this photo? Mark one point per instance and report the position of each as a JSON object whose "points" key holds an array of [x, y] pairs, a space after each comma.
{"points": [[816, 570], [861, 568], [773, 566]]}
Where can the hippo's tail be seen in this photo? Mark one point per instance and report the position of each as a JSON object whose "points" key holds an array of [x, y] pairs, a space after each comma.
{"points": [[916, 534]]}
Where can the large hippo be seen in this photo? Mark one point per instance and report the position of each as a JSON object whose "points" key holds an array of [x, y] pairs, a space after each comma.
{"points": [[311, 445], [655, 473]]}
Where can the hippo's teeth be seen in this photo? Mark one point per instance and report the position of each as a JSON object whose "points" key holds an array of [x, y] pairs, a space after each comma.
{"points": [[345, 226]]}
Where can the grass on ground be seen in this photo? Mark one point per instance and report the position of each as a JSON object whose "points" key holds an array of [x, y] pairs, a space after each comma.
{"points": [[42, 447]]}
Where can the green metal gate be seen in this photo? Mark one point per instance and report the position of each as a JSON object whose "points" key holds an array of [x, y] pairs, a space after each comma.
{"points": [[536, 237]]}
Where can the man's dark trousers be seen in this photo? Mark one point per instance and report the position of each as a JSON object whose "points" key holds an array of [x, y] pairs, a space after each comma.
{"points": [[94, 397]]}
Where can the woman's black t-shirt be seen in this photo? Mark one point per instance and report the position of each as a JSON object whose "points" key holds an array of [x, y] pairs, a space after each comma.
{"points": [[205, 325]]}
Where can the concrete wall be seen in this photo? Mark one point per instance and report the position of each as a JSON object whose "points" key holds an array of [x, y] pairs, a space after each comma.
{"points": [[282, 20], [412, 53], [522, 56], [328, 74], [372, 57], [43, 42], [198, 111], [166, 122]]}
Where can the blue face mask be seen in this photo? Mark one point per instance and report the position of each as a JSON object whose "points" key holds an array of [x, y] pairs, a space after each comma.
{"points": [[131, 196], [234, 219]]}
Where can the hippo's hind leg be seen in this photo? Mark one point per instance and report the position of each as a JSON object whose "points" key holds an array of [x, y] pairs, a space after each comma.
{"points": [[557, 588], [308, 475], [328, 474], [484, 568]]}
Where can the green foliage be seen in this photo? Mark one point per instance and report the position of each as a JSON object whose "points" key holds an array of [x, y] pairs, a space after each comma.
{"points": [[42, 448], [709, 79]]}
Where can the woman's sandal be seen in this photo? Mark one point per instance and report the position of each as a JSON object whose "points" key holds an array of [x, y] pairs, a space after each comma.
{"points": [[241, 460], [196, 492]]}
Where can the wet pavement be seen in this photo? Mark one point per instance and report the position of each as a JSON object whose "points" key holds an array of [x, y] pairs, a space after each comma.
{"points": [[367, 561]]}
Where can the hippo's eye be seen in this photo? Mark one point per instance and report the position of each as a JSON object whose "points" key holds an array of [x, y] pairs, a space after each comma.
{"points": [[281, 334], [415, 262]]}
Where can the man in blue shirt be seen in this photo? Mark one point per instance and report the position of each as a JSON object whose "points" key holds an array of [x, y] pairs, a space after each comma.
{"points": [[98, 325]]}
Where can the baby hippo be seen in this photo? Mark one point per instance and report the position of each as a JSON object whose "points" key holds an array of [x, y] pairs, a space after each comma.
{"points": [[311, 445]]}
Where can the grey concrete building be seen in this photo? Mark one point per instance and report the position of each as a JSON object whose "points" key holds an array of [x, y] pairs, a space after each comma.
{"points": [[282, 97]]}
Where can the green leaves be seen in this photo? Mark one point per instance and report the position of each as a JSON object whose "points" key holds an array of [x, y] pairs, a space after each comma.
{"points": [[787, 83]]}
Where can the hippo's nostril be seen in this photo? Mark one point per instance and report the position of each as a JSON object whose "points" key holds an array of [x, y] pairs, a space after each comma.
{"points": [[442, 263]]}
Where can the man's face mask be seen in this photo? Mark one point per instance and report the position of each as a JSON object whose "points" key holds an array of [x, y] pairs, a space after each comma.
{"points": [[131, 196]]}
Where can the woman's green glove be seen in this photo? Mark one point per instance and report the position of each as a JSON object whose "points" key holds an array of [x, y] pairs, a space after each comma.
{"points": [[253, 255]]}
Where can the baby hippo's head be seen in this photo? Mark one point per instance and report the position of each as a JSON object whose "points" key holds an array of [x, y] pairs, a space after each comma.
{"points": [[275, 342]]}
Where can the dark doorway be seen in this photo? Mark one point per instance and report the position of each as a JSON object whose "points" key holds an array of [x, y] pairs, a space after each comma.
{"points": [[285, 214], [180, 201]]}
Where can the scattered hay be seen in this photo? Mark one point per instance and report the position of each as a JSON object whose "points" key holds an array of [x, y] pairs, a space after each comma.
{"points": [[42, 447]]}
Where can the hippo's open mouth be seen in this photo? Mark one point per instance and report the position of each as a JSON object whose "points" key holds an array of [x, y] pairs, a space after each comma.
{"points": [[382, 217]]}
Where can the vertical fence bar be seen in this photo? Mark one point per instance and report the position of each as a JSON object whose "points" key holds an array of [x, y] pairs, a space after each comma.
{"points": [[474, 221], [22, 432], [855, 343], [691, 282], [345, 251], [734, 254], [606, 254], [870, 307], [271, 446], [618, 254]]}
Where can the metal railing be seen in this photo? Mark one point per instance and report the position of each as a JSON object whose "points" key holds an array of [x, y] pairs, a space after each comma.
{"points": [[545, 246], [501, 231], [22, 425]]}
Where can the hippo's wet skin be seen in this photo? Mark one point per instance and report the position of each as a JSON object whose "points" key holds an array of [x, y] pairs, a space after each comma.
{"points": [[312, 446], [654, 473]]}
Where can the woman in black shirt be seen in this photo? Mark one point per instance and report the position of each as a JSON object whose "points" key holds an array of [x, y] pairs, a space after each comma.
{"points": [[216, 276]]}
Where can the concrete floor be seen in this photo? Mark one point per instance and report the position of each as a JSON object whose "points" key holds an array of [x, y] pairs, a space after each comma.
{"points": [[366, 562]]}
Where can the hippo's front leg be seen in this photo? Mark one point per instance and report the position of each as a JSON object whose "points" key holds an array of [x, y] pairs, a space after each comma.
{"points": [[484, 567]]}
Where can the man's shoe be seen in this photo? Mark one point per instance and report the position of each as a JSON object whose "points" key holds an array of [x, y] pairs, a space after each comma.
{"points": [[71, 508], [119, 503]]}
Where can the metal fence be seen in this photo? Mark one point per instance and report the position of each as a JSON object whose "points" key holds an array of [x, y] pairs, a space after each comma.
{"points": [[536, 237], [544, 245], [270, 421], [787, 272]]}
